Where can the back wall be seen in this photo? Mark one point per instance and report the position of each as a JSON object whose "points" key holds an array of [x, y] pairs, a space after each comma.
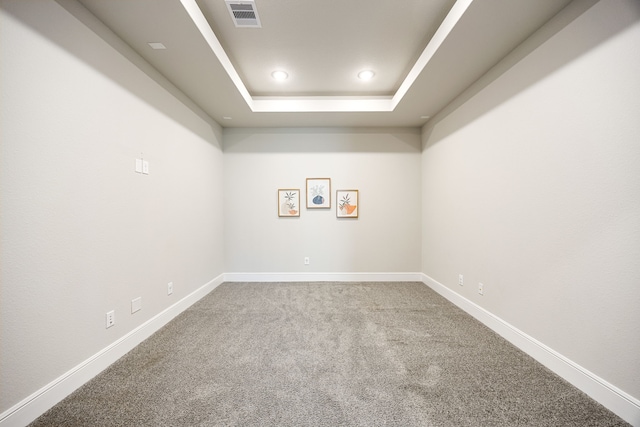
{"points": [[383, 164]]}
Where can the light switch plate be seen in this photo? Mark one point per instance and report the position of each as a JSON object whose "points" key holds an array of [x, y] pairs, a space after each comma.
{"points": [[139, 165], [111, 319], [145, 167]]}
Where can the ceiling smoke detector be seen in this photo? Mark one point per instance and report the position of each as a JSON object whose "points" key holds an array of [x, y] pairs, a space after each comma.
{"points": [[244, 13]]}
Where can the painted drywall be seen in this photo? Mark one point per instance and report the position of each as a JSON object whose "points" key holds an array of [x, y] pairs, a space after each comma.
{"points": [[383, 164], [531, 185], [81, 232]]}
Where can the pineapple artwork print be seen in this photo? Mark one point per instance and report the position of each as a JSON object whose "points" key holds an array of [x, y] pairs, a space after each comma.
{"points": [[289, 204], [317, 195]]}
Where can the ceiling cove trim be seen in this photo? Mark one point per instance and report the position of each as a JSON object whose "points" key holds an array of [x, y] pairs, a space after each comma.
{"points": [[445, 28], [324, 104]]}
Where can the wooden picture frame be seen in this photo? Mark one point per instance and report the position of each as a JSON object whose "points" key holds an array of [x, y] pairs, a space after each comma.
{"points": [[288, 202], [318, 193], [347, 204]]}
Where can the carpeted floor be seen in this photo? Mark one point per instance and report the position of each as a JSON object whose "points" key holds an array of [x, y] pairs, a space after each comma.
{"points": [[326, 354]]}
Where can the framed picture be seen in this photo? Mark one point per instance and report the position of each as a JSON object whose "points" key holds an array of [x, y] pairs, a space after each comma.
{"points": [[289, 202], [347, 204], [318, 193]]}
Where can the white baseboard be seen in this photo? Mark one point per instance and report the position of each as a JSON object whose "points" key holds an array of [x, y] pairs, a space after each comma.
{"points": [[39, 402], [614, 399], [617, 401], [323, 277]]}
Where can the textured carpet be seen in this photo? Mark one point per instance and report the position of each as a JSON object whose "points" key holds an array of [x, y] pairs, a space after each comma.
{"points": [[326, 354]]}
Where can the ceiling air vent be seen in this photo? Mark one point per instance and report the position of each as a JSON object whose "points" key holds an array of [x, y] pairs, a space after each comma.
{"points": [[243, 13]]}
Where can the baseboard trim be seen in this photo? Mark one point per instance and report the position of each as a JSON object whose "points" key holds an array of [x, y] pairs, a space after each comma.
{"points": [[323, 277], [614, 399], [39, 402], [608, 395]]}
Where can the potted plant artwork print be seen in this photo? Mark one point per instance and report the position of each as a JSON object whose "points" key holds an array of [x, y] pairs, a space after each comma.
{"points": [[318, 193], [289, 202], [347, 203]]}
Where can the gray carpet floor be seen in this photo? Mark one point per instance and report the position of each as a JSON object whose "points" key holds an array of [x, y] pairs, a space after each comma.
{"points": [[326, 354]]}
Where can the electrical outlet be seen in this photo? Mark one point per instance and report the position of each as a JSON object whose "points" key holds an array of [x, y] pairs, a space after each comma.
{"points": [[111, 319], [306, 260], [136, 304], [460, 280], [169, 288], [480, 288]]}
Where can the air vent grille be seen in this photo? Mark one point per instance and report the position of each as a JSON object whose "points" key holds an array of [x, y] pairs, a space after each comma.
{"points": [[243, 13]]}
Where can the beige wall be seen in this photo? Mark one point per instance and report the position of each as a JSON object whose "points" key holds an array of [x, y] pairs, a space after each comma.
{"points": [[383, 164], [81, 233], [531, 186]]}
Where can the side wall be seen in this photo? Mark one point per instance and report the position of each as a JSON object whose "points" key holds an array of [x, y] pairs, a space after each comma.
{"points": [[383, 164], [81, 232], [531, 185]]}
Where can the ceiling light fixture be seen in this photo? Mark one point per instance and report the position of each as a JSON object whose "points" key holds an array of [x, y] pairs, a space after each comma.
{"points": [[280, 75], [156, 45], [366, 75]]}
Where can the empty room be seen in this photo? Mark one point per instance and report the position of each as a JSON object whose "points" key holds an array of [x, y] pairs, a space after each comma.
{"points": [[319, 213]]}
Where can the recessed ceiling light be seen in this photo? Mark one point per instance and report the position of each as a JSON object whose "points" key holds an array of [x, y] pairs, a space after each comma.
{"points": [[280, 75], [366, 75], [156, 45], [424, 117], [226, 118]]}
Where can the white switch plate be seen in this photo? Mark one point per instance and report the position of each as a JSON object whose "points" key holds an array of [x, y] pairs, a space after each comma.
{"points": [[480, 288], [136, 304], [169, 288], [460, 280], [145, 167], [138, 165], [111, 319], [306, 260]]}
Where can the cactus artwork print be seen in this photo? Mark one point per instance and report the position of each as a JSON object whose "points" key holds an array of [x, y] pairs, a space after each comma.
{"points": [[347, 203], [289, 202]]}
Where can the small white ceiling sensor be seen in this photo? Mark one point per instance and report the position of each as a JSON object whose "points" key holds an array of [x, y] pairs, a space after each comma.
{"points": [[156, 45], [366, 75], [280, 75]]}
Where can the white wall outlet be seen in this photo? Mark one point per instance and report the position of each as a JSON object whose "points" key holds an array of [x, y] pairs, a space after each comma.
{"points": [[169, 288], [145, 167], [111, 319], [136, 304], [480, 288], [138, 165], [460, 279], [306, 260]]}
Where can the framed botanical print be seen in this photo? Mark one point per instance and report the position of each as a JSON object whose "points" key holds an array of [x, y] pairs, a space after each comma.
{"points": [[289, 202], [318, 193], [347, 204]]}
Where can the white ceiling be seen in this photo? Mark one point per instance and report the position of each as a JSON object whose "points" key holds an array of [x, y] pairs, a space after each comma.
{"points": [[424, 54]]}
